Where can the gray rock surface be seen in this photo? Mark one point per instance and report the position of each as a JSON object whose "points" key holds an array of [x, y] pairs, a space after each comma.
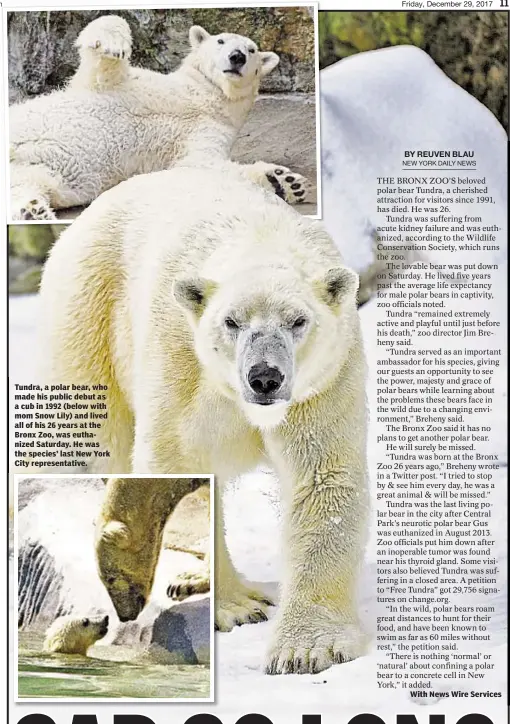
{"points": [[188, 527], [180, 634], [42, 56]]}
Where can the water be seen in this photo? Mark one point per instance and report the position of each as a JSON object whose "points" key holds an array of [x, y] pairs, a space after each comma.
{"points": [[107, 672]]}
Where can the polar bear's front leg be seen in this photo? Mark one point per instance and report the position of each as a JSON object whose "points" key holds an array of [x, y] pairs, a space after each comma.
{"points": [[105, 49], [235, 603], [189, 584], [288, 185], [317, 624]]}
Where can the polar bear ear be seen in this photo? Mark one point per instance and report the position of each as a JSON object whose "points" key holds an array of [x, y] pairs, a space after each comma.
{"points": [[117, 533], [197, 35], [337, 284], [191, 293], [269, 62]]}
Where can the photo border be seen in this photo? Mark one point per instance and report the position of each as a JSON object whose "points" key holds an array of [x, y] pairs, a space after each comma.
{"points": [[6, 9], [14, 597]]}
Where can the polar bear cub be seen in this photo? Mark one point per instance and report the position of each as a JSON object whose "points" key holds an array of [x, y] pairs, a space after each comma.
{"points": [[114, 121], [227, 333], [74, 635]]}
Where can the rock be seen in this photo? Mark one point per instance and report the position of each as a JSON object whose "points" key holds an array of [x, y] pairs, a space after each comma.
{"points": [[179, 634], [374, 107], [39, 585], [188, 527], [42, 56], [282, 129], [56, 565]]}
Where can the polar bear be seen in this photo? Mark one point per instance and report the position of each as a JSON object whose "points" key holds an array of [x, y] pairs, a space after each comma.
{"points": [[129, 533], [226, 330], [113, 120], [74, 635]]}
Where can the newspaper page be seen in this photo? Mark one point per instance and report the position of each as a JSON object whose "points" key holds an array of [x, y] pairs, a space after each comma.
{"points": [[256, 410]]}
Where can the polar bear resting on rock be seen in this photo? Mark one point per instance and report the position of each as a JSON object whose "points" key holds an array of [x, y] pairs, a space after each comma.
{"points": [[114, 121], [74, 635], [226, 329]]}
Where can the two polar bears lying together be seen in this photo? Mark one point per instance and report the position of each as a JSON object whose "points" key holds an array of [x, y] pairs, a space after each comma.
{"points": [[113, 120]]}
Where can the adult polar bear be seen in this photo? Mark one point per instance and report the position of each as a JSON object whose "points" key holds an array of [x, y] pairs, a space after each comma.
{"points": [[226, 330], [113, 120]]}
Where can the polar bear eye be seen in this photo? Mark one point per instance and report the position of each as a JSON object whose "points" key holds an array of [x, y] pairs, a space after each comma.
{"points": [[221, 41], [231, 324], [299, 323], [251, 50], [85, 622]]}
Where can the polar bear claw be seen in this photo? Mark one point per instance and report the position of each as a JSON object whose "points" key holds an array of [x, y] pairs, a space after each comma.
{"points": [[338, 646], [244, 605], [188, 584], [35, 210], [292, 187]]}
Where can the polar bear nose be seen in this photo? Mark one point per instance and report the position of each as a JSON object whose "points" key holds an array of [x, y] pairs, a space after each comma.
{"points": [[237, 58], [264, 380]]}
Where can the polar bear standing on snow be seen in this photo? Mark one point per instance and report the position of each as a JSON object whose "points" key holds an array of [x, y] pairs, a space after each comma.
{"points": [[74, 635], [226, 329], [114, 121]]}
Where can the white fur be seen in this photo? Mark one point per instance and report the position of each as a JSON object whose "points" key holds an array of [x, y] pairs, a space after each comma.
{"points": [[173, 399], [68, 635], [113, 120]]}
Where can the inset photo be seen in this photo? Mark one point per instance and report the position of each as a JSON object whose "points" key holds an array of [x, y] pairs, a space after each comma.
{"points": [[114, 589], [99, 96]]}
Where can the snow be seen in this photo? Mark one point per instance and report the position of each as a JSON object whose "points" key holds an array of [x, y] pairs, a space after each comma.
{"points": [[253, 531]]}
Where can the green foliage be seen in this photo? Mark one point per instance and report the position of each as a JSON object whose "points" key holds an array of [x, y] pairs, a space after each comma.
{"points": [[345, 33], [31, 241]]}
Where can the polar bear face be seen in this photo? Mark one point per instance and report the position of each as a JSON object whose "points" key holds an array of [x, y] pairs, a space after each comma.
{"points": [[74, 635], [273, 341], [127, 564], [230, 61]]}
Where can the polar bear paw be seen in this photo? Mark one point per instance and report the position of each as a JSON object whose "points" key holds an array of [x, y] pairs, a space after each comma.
{"points": [[298, 654], [109, 36], [288, 185], [188, 584], [243, 605], [37, 209]]}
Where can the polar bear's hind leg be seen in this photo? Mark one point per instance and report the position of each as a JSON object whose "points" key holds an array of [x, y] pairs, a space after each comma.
{"points": [[290, 186], [105, 48], [32, 191]]}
